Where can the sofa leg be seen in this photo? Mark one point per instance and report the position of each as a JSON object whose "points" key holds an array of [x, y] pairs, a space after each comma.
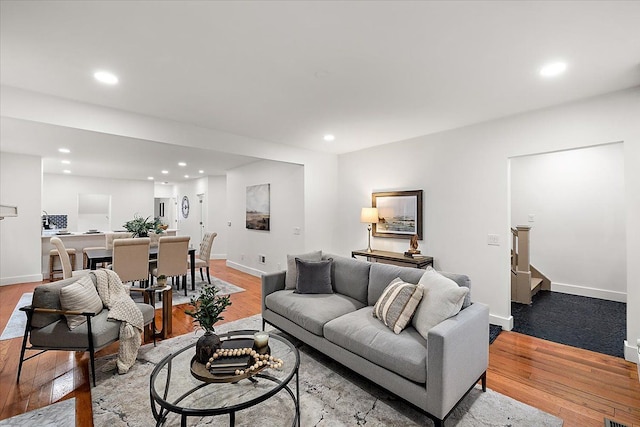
{"points": [[484, 381]]}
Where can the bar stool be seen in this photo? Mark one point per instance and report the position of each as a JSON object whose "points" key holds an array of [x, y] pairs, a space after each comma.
{"points": [[53, 255]]}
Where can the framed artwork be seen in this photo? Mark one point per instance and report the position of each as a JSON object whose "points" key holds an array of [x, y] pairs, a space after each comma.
{"points": [[399, 214], [258, 207]]}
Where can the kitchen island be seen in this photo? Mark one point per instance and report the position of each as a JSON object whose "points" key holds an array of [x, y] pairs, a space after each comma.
{"points": [[78, 241]]}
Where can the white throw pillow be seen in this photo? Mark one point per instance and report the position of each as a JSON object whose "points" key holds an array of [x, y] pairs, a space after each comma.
{"points": [[80, 296], [442, 299], [397, 304], [291, 279]]}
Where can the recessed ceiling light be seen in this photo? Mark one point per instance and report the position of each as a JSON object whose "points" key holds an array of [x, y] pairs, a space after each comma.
{"points": [[150, 178], [186, 176], [106, 77], [165, 172], [182, 164], [553, 69], [64, 150], [329, 137], [66, 171], [65, 162], [200, 171]]}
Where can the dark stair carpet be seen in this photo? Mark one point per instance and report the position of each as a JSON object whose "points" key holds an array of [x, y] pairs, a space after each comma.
{"points": [[589, 323]]}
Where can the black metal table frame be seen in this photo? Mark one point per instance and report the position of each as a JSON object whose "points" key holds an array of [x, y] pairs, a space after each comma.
{"points": [[96, 256], [166, 407]]}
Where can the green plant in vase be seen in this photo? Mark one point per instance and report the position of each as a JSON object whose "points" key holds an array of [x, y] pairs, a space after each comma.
{"points": [[206, 310], [140, 226], [162, 280]]}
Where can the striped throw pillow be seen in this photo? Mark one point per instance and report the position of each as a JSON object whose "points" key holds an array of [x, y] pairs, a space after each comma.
{"points": [[396, 305], [80, 296]]}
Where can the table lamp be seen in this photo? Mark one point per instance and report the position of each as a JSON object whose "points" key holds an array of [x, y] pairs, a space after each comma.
{"points": [[369, 216]]}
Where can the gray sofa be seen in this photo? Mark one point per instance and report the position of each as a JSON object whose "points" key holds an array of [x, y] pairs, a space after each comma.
{"points": [[47, 328], [432, 374]]}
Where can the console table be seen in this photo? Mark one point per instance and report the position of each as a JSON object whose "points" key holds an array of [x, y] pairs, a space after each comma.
{"points": [[420, 261]]}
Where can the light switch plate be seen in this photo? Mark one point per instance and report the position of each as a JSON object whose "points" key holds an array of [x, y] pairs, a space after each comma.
{"points": [[493, 239]]}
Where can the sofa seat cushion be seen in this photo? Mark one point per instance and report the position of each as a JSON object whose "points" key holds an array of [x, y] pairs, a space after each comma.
{"points": [[104, 331], [361, 333], [311, 311]]}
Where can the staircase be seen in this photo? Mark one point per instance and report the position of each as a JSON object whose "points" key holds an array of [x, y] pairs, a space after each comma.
{"points": [[526, 280]]}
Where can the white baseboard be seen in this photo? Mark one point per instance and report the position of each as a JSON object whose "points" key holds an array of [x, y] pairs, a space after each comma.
{"points": [[245, 269], [631, 352], [589, 292], [505, 322], [218, 256], [20, 279]]}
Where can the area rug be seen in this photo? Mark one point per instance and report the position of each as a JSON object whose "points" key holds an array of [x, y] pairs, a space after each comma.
{"points": [[226, 288], [59, 414], [18, 320], [330, 395]]}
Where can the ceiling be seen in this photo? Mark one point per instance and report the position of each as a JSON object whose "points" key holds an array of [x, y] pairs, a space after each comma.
{"points": [[369, 72]]}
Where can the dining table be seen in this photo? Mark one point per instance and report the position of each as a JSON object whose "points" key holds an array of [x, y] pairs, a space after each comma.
{"points": [[97, 256]]}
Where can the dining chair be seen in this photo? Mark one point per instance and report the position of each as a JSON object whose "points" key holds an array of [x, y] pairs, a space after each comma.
{"points": [[67, 269], [131, 260], [202, 258], [111, 237], [172, 259]]}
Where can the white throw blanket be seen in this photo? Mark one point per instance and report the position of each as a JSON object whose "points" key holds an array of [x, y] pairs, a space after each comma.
{"points": [[115, 297]]}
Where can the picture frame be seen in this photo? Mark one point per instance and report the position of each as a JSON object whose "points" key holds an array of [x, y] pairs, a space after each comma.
{"points": [[399, 214], [258, 207]]}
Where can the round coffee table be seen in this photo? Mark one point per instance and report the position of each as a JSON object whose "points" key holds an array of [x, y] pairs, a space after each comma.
{"points": [[173, 388]]}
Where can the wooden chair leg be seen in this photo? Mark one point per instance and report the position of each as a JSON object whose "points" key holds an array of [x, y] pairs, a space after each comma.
{"points": [[208, 277], [201, 274]]}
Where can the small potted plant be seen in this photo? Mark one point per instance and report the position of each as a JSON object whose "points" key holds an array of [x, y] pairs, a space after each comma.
{"points": [[207, 308]]}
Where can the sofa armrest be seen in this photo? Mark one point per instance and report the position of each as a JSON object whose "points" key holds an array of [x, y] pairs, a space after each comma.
{"points": [[272, 282], [458, 355]]}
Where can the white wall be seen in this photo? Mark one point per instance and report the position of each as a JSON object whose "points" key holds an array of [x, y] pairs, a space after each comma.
{"points": [[578, 235], [464, 173], [128, 197], [190, 226], [287, 212], [217, 215], [20, 185]]}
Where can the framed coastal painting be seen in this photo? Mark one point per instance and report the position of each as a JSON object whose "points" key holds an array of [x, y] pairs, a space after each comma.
{"points": [[258, 208], [399, 214]]}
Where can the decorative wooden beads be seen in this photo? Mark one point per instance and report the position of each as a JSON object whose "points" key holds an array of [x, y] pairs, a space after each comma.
{"points": [[260, 360]]}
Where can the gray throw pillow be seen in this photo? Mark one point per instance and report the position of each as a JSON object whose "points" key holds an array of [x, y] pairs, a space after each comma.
{"points": [[314, 277], [292, 271]]}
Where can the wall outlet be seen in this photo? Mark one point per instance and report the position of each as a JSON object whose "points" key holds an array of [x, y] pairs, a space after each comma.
{"points": [[493, 239], [228, 223], [296, 230], [532, 217], [262, 259]]}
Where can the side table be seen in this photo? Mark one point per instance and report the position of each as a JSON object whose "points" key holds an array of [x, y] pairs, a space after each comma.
{"points": [[167, 301], [419, 261]]}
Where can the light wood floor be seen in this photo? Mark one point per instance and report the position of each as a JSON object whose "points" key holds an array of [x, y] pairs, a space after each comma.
{"points": [[579, 386]]}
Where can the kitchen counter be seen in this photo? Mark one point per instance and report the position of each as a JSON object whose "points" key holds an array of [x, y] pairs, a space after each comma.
{"points": [[78, 240]]}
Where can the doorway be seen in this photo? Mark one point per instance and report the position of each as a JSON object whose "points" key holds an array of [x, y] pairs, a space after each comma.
{"points": [[574, 202]]}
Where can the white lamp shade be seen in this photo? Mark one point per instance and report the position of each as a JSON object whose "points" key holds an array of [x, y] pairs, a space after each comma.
{"points": [[369, 215]]}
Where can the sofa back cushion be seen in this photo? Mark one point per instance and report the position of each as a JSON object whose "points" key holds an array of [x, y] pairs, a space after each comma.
{"points": [[291, 278], [350, 277], [380, 275]]}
